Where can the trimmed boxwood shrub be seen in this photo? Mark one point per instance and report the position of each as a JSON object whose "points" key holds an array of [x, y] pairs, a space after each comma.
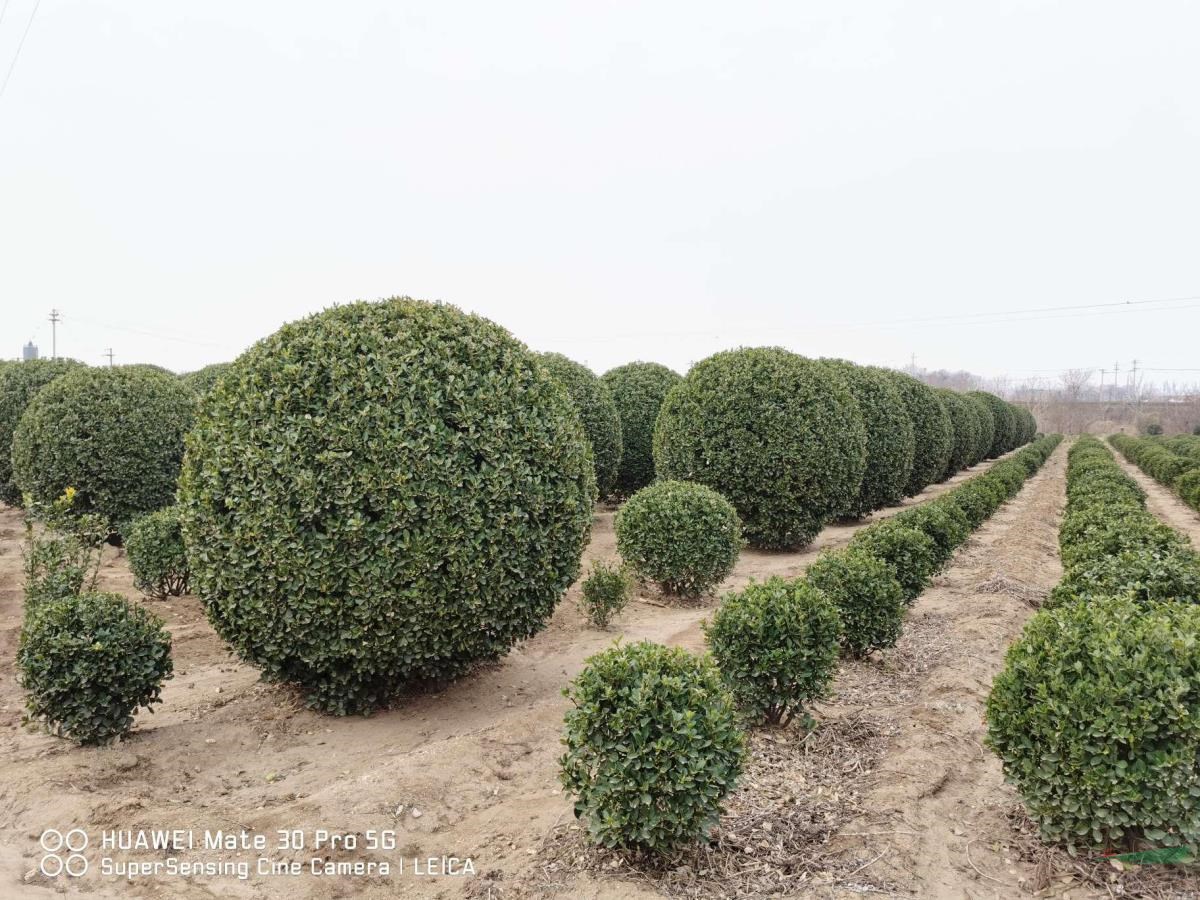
{"points": [[869, 599], [1004, 424], [778, 435], [204, 380], [638, 389], [89, 662], [912, 555], [776, 644], [964, 422], [944, 522], [113, 434], [605, 592], [987, 426], [1188, 487], [157, 558], [383, 493], [1096, 719], [684, 536], [601, 423], [1146, 575], [932, 429], [19, 383], [1027, 425], [979, 499], [653, 747], [890, 441]]}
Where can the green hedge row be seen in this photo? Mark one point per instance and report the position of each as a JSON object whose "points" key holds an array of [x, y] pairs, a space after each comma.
{"points": [[1174, 462], [1096, 716], [775, 642]]}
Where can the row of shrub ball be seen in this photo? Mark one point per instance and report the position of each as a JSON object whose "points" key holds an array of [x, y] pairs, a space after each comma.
{"points": [[391, 492], [793, 442], [647, 721], [1096, 715]]}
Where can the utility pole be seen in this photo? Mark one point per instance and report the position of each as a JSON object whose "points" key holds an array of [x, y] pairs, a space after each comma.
{"points": [[109, 354], [1116, 372], [55, 318]]}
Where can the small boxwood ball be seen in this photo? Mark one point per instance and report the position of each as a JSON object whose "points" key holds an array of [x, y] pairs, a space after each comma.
{"points": [[779, 436], [89, 662], [932, 429], [113, 434], [1096, 720], [598, 413], [652, 747], [638, 389], [776, 644], [944, 522], [384, 493], [890, 441], [869, 599], [157, 557], [19, 382], [911, 554], [684, 536]]}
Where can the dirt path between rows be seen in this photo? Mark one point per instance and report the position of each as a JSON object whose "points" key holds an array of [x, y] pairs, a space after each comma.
{"points": [[938, 824], [469, 771], [1164, 502]]}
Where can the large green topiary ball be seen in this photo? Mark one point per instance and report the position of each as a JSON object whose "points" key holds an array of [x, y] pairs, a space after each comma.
{"points": [[987, 426], [594, 401], [776, 434], [113, 434], [19, 383], [932, 429], [683, 535], [652, 747], [202, 380], [89, 662], [1004, 432], [964, 424], [890, 440], [638, 389], [1096, 719], [1026, 425], [382, 493]]}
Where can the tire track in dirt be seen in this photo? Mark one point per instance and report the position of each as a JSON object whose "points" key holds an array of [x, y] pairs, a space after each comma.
{"points": [[938, 825], [1162, 501]]}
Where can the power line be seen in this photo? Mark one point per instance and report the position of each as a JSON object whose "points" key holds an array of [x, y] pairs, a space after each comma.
{"points": [[144, 333], [1034, 310], [17, 55], [3, 10], [993, 317]]}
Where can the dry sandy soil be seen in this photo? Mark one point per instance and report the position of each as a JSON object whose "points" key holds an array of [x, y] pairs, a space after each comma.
{"points": [[892, 792]]}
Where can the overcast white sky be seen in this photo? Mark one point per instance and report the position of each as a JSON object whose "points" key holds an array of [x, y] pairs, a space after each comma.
{"points": [[613, 181]]}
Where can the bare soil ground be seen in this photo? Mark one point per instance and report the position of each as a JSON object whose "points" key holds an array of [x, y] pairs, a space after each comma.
{"points": [[471, 771]]}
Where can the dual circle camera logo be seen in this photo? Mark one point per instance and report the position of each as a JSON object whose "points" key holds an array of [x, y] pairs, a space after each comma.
{"points": [[56, 844]]}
